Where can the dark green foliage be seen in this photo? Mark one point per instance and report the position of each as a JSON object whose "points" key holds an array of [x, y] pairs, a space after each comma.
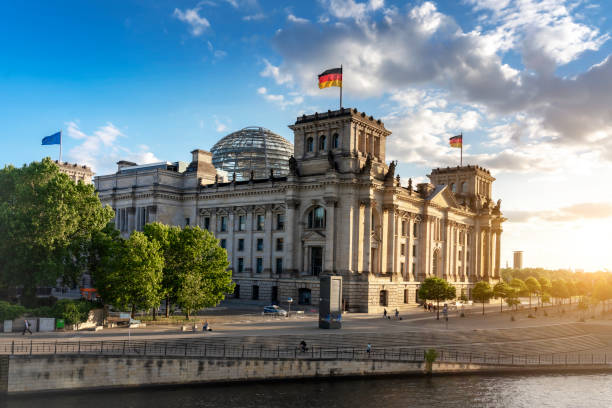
{"points": [[436, 289], [46, 221], [482, 292], [9, 311], [73, 312]]}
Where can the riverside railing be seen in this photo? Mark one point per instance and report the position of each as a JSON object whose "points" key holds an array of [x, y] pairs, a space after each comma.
{"points": [[161, 348]]}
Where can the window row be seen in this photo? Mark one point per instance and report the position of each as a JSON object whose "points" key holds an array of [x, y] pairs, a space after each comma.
{"points": [[241, 222], [322, 143], [406, 228], [278, 267], [259, 244]]}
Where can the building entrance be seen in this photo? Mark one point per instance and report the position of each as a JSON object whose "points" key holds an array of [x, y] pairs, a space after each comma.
{"points": [[316, 260]]}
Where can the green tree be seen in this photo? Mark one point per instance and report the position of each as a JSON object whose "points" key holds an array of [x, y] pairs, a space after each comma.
{"points": [[545, 287], [436, 289], [558, 290], [533, 287], [73, 312], [203, 275], [512, 299], [168, 239], [131, 276], [482, 292], [45, 222], [602, 291], [500, 291]]}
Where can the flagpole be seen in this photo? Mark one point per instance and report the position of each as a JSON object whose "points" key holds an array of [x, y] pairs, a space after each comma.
{"points": [[341, 73], [461, 157], [60, 158]]}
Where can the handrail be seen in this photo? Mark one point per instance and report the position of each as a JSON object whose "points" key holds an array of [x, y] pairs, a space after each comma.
{"points": [[191, 348]]}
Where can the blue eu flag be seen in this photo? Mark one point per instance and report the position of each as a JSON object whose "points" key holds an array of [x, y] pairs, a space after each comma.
{"points": [[55, 138]]}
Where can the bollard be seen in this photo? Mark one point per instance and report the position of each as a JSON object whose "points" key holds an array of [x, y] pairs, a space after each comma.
{"points": [[102, 347], [123, 353], [31, 343], [13, 347], [79, 347]]}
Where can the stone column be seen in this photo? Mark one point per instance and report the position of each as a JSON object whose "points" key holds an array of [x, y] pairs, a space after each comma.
{"points": [[367, 235], [330, 232], [268, 244], [291, 222], [392, 240], [131, 216], [497, 253], [229, 243]]}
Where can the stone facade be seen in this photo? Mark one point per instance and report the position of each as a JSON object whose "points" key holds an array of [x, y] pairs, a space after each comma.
{"points": [[76, 172], [341, 210]]}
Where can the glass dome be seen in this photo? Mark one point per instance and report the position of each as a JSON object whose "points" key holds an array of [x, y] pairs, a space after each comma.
{"points": [[252, 149]]}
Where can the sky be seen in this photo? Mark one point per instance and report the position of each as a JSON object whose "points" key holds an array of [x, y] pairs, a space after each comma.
{"points": [[527, 82]]}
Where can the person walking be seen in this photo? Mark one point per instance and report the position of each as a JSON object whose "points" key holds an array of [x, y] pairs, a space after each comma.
{"points": [[396, 314], [385, 314], [368, 349], [26, 327]]}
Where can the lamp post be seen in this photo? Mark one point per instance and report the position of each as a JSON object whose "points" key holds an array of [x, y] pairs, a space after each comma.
{"points": [[289, 301]]}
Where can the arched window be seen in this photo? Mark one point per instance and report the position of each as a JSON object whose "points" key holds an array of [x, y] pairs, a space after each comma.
{"points": [[434, 269], [464, 187], [453, 188], [316, 218], [336, 141], [322, 143], [309, 144]]}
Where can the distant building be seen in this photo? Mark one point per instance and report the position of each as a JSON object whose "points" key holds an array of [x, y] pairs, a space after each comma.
{"points": [[76, 172], [518, 260], [335, 207]]}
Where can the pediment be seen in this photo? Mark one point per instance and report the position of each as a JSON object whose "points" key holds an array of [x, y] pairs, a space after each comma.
{"points": [[443, 197], [314, 235]]}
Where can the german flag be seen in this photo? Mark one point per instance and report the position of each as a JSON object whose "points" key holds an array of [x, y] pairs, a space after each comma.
{"points": [[456, 141], [331, 77]]}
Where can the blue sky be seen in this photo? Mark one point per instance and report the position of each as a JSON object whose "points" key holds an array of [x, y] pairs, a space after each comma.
{"points": [[527, 81]]}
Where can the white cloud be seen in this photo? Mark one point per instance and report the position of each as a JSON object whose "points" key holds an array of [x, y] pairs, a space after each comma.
{"points": [[254, 17], [295, 19], [280, 100], [101, 149], [275, 73], [190, 16], [351, 9], [220, 126]]}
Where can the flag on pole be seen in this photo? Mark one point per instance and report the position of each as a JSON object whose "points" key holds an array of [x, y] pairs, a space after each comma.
{"points": [[456, 141], [331, 77], [54, 139]]}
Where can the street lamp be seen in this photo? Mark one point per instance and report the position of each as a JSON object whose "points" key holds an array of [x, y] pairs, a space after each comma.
{"points": [[289, 300]]}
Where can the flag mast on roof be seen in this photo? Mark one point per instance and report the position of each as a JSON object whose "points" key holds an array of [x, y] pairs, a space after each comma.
{"points": [[54, 139], [457, 141], [332, 77]]}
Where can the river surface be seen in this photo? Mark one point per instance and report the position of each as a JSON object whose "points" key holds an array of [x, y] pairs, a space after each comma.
{"points": [[591, 390]]}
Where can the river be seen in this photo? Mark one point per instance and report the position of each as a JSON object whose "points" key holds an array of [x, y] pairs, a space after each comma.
{"points": [[591, 390]]}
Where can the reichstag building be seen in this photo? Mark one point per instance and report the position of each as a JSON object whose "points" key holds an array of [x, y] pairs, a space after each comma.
{"points": [[329, 204]]}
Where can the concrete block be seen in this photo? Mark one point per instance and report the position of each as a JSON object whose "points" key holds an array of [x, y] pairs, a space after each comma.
{"points": [[8, 326], [46, 324]]}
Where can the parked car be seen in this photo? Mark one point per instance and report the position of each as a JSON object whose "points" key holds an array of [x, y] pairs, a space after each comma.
{"points": [[274, 310]]}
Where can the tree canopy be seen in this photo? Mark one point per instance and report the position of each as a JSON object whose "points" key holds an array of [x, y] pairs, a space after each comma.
{"points": [[436, 289], [482, 293], [46, 220]]}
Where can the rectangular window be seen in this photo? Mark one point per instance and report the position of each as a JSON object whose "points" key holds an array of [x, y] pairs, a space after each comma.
{"points": [[237, 291], [414, 250], [403, 249], [460, 255], [222, 243], [241, 223], [187, 221], [467, 269], [415, 230], [279, 244], [259, 265], [260, 244], [406, 295], [255, 292], [467, 256], [279, 265], [403, 227], [414, 268], [241, 244], [280, 221], [240, 265], [223, 224], [459, 270], [207, 223], [260, 222], [401, 267]]}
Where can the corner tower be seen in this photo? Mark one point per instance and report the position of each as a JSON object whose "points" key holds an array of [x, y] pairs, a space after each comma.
{"points": [[344, 138]]}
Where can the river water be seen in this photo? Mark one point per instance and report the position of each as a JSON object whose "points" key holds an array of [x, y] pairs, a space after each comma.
{"points": [[591, 390]]}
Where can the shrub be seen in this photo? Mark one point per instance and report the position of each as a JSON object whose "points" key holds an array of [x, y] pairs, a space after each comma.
{"points": [[9, 311], [73, 312]]}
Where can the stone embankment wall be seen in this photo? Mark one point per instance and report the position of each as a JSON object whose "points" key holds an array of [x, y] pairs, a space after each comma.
{"points": [[20, 374], [25, 374]]}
